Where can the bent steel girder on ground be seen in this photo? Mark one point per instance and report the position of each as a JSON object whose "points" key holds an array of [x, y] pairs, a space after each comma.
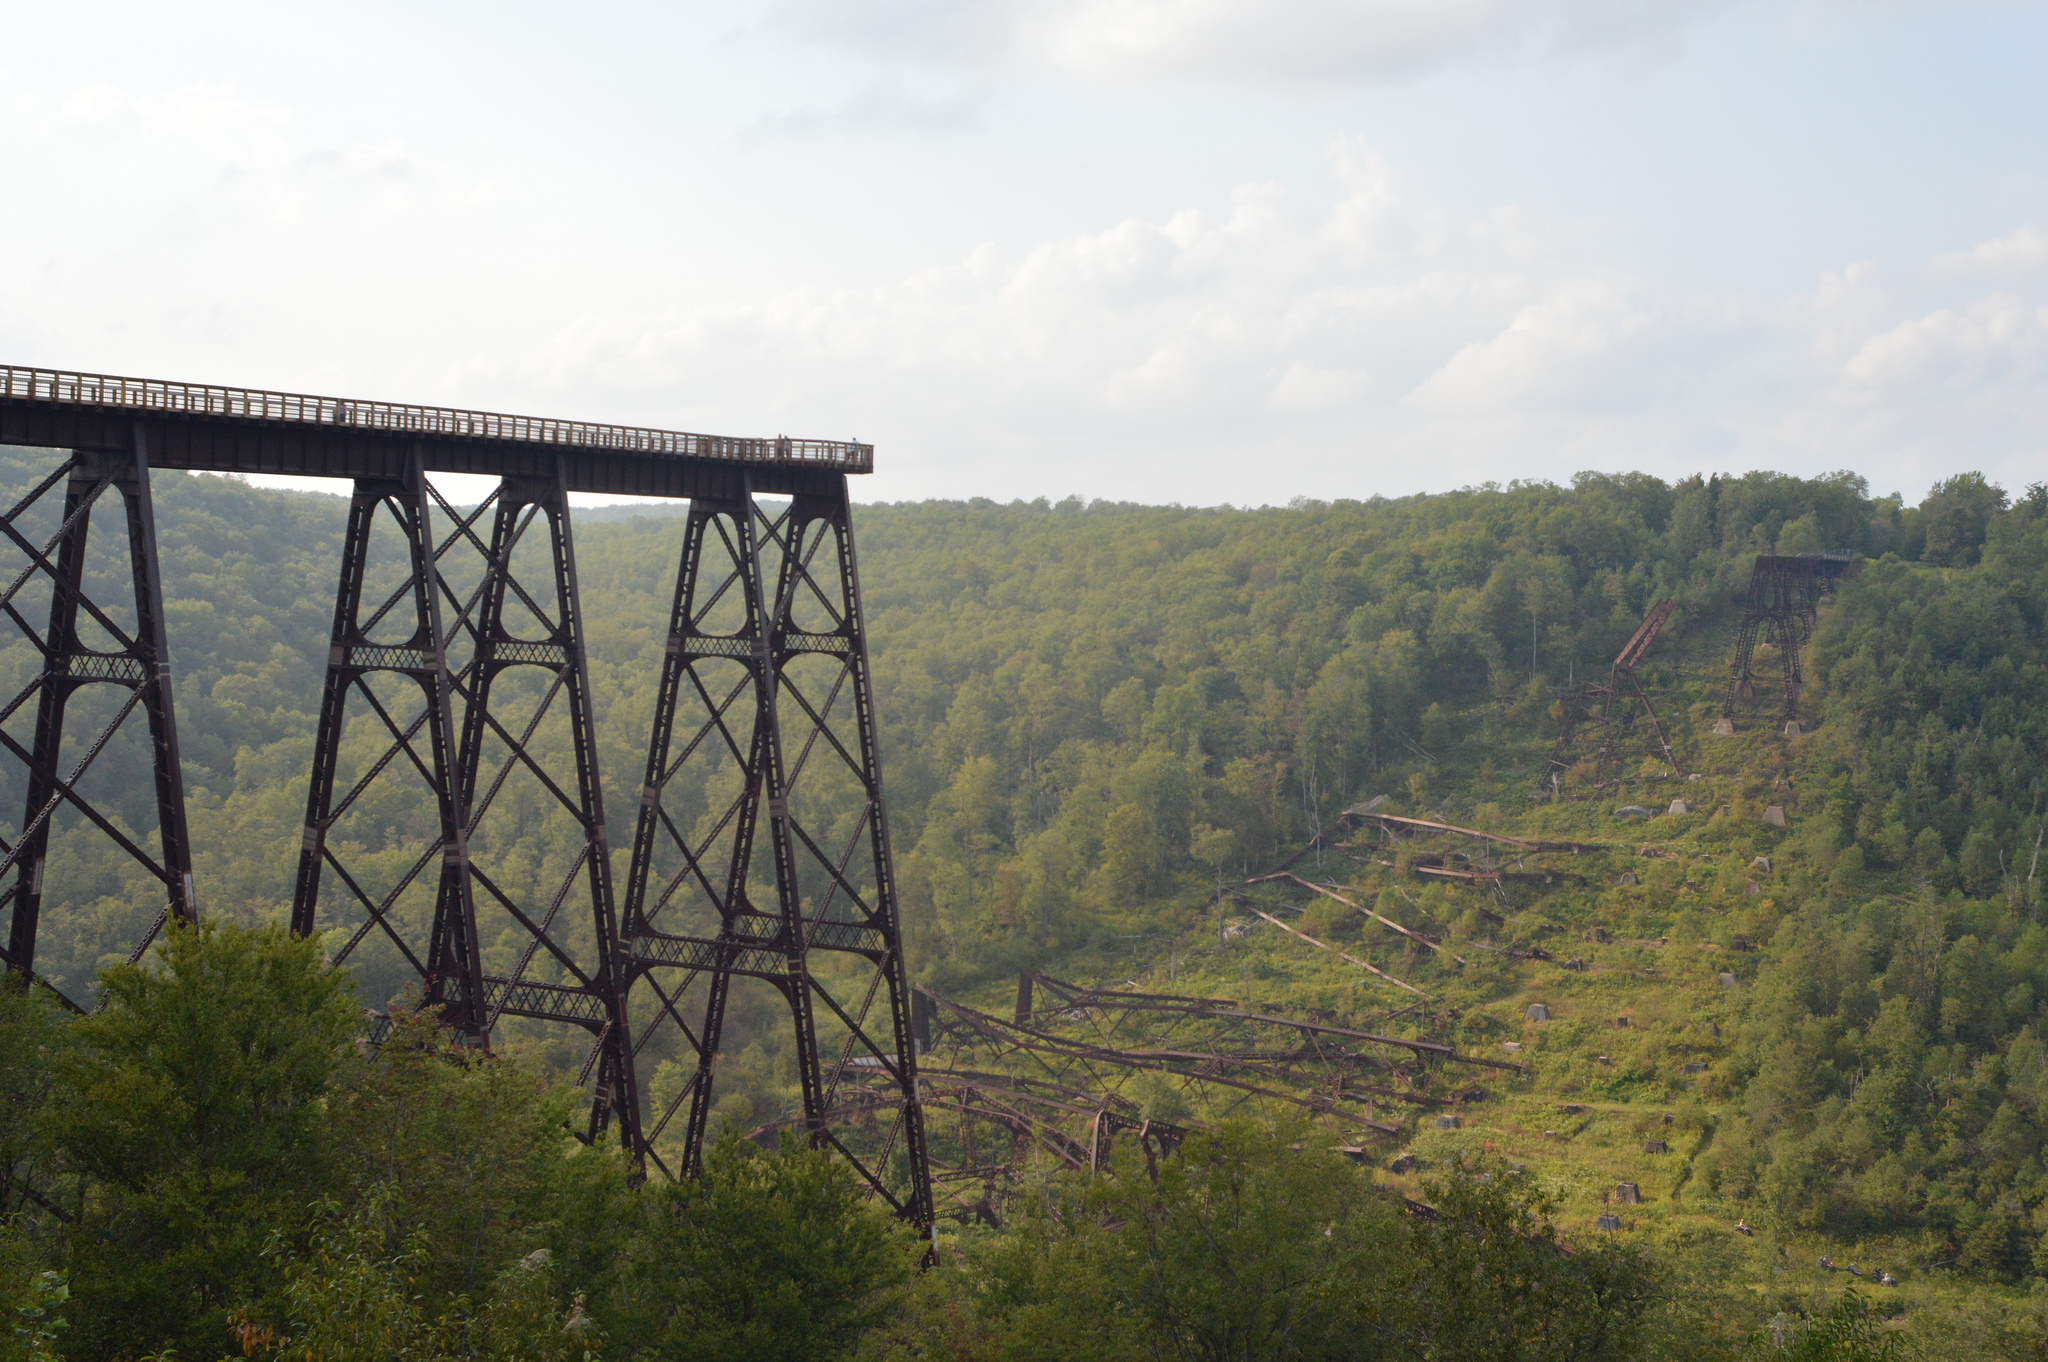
{"points": [[981, 1128], [1044, 1090], [84, 643], [761, 848], [1615, 704], [1099, 1066]]}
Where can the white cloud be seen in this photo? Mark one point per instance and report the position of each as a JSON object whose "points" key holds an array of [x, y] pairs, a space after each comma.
{"points": [[1993, 339], [1124, 40], [202, 110], [888, 105], [2022, 251], [1165, 358], [206, 153], [1566, 350], [1268, 347], [1308, 387]]}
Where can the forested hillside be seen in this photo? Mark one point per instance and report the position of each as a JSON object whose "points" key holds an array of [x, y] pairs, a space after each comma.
{"points": [[1096, 716]]}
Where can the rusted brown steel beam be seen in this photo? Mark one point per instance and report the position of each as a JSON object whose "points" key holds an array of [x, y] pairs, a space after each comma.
{"points": [[1424, 1048], [1365, 965], [1268, 1058], [1628, 678], [1444, 872], [1172, 1003], [1645, 634], [1077, 1098], [1227, 1009], [1037, 1040], [1074, 994], [1421, 1047], [1623, 682], [948, 1083], [1047, 1136], [1375, 916], [1415, 826], [1620, 685], [858, 1102], [938, 1097], [1268, 1066], [1102, 1139]]}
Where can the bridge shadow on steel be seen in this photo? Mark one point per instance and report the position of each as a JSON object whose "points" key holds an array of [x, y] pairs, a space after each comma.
{"points": [[761, 848], [454, 846]]}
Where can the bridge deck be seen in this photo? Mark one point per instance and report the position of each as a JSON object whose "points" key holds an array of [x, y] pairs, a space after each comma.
{"points": [[247, 430]]}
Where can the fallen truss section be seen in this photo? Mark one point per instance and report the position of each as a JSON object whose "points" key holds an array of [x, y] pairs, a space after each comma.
{"points": [[1616, 701], [1047, 1088]]}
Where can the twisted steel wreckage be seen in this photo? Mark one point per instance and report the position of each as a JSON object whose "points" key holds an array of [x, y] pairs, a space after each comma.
{"points": [[457, 677]]}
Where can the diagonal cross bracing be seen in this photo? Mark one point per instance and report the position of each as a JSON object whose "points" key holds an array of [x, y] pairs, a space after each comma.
{"points": [[1781, 610], [83, 644], [508, 762], [454, 843], [767, 616]]}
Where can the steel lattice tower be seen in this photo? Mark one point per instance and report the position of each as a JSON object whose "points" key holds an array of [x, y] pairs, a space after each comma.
{"points": [[1781, 610], [767, 870], [457, 681]]}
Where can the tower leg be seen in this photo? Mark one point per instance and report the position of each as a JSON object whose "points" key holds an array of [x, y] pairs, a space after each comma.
{"points": [[449, 970], [831, 520], [81, 646], [712, 679]]}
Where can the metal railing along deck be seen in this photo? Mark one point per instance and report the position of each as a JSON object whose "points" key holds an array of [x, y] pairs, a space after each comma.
{"points": [[400, 418]]}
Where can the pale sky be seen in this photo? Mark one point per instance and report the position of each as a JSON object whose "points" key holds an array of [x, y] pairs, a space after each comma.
{"points": [[1158, 250]]}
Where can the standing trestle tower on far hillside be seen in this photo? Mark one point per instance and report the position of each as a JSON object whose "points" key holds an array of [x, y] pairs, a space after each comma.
{"points": [[1781, 610], [455, 846]]}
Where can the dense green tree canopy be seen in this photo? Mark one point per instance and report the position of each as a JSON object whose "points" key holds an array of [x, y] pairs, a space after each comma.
{"points": [[1093, 716]]}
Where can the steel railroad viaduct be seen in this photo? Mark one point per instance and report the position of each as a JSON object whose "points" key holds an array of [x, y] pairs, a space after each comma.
{"points": [[457, 683]]}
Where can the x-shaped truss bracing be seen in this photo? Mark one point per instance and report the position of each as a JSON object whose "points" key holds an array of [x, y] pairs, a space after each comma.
{"points": [[457, 682], [454, 842], [1782, 610], [761, 846], [84, 642]]}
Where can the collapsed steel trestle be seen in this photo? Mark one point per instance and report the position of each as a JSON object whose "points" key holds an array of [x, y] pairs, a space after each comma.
{"points": [[1612, 704]]}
